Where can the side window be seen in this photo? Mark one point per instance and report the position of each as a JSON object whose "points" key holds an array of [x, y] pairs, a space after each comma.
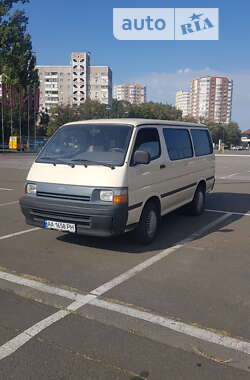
{"points": [[148, 139], [178, 143], [202, 142]]}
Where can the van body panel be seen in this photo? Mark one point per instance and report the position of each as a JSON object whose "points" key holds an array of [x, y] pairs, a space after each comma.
{"points": [[78, 175], [64, 192]]}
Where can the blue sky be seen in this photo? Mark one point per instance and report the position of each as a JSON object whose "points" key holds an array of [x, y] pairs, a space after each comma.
{"points": [[59, 27]]}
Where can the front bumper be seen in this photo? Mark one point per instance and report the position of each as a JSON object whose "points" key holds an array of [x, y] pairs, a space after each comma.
{"points": [[90, 218]]}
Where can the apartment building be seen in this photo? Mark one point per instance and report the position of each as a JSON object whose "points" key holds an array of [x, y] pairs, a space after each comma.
{"points": [[72, 85], [101, 84], [131, 92], [55, 85], [183, 102], [211, 98]]}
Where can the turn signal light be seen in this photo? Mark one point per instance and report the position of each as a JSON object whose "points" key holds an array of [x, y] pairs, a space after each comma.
{"points": [[118, 199]]}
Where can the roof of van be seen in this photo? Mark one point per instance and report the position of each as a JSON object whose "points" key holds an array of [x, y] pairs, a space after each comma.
{"points": [[136, 122]]}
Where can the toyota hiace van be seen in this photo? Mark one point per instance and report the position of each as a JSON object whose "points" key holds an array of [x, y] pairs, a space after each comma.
{"points": [[106, 177]]}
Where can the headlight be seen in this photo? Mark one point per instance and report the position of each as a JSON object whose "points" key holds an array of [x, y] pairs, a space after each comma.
{"points": [[31, 188], [106, 195], [116, 196]]}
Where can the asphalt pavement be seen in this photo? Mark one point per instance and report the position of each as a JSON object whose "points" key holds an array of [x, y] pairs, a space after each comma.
{"points": [[89, 308]]}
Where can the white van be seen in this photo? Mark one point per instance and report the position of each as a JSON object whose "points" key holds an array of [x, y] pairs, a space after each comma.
{"points": [[106, 177]]}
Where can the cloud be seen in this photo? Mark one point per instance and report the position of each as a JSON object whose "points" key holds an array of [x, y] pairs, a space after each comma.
{"points": [[161, 87]]}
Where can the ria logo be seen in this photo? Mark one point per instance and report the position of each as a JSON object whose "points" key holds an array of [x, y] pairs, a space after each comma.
{"points": [[197, 24], [166, 23]]}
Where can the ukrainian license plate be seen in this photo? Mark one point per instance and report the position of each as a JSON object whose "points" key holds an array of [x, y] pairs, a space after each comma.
{"points": [[60, 226]]}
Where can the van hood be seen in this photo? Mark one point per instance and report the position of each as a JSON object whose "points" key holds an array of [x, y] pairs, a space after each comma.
{"points": [[92, 175]]}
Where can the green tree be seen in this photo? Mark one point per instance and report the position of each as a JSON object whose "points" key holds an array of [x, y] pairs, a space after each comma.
{"points": [[17, 61], [233, 134], [61, 115], [120, 108]]}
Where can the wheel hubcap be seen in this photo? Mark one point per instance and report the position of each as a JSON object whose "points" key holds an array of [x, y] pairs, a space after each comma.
{"points": [[151, 223]]}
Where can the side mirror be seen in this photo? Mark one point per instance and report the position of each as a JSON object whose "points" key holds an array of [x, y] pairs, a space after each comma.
{"points": [[141, 157]]}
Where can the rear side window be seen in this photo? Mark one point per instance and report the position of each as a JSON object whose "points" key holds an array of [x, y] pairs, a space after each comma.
{"points": [[178, 143], [148, 139], [202, 142]]}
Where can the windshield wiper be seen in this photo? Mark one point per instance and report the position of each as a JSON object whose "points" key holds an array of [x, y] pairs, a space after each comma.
{"points": [[86, 162], [55, 161]]}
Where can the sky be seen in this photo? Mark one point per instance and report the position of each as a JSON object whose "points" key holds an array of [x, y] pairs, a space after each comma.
{"points": [[59, 27]]}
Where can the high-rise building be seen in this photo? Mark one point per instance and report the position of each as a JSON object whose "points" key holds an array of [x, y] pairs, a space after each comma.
{"points": [[74, 84], [80, 64], [211, 98], [183, 102], [55, 85], [131, 92], [101, 84]]}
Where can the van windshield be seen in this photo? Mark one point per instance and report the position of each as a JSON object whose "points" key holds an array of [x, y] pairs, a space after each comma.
{"points": [[88, 143]]}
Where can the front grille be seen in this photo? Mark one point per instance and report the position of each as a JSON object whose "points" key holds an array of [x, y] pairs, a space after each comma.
{"points": [[39, 215], [83, 198]]}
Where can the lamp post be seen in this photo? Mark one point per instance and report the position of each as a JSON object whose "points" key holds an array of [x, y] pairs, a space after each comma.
{"points": [[2, 76]]}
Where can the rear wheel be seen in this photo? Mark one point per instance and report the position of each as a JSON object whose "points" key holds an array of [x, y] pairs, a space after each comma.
{"points": [[197, 206], [149, 223]]}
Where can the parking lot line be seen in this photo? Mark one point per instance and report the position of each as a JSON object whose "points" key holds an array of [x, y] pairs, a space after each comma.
{"points": [[37, 285], [232, 155], [8, 203], [2, 188], [181, 327], [17, 342], [225, 212], [19, 233]]}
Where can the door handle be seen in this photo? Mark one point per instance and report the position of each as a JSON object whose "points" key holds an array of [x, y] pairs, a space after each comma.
{"points": [[162, 166]]}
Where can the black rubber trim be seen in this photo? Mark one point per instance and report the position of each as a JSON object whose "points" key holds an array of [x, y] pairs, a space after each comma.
{"points": [[209, 178], [178, 190], [137, 205]]}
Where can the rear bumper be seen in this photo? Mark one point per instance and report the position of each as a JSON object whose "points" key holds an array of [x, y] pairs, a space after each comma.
{"points": [[90, 218]]}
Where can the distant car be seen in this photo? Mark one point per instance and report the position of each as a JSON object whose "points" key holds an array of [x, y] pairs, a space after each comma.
{"points": [[239, 147]]}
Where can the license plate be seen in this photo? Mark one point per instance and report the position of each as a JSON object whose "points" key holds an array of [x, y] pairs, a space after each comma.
{"points": [[60, 226]]}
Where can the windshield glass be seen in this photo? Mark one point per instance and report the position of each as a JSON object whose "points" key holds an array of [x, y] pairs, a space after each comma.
{"points": [[89, 143]]}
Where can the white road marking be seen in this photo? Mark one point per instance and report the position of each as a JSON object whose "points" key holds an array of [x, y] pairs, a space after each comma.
{"points": [[147, 263], [37, 285], [229, 176], [181, 327], [232, 155], [2, 188], [12, 345], [19, 233], [17, 342], [226, 212], [8, 203]]}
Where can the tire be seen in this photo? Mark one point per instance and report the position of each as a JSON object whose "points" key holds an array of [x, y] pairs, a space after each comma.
{"points": [[197, 206], [149, 223]]}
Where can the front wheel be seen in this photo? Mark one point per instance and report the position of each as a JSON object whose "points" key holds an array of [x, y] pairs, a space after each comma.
{"points": [[149, 223], [197, 206]]}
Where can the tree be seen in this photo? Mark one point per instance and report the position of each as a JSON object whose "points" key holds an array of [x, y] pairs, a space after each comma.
{"points": [[61, 115], [17, 62], [120, 108], [229, 133], [6, 5], [43, 123]]}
